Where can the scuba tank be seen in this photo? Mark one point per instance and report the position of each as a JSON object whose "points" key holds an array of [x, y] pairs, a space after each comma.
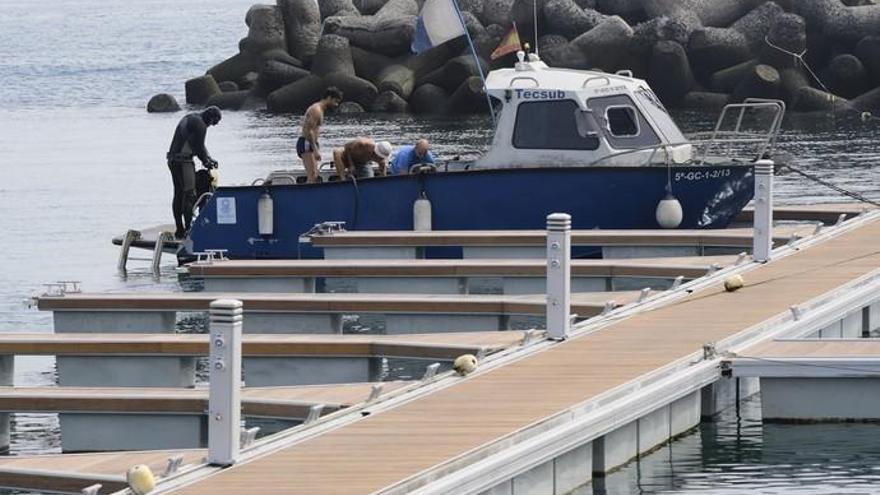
{"points": [[422, 213], [265, 214]]}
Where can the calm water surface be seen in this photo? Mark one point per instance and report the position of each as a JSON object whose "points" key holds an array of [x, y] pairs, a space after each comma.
{"points": [[82, 161]]}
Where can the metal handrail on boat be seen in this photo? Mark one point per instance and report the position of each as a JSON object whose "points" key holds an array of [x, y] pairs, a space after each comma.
{"points": [[524, 78], [766, 139]]}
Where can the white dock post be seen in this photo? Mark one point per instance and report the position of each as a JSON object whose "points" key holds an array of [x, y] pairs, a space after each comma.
{"points": [[558, 275], [762, 241], [224, 401]]}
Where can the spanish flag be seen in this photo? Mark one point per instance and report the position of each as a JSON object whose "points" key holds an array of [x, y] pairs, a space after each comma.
{"points": [[509, 44]]}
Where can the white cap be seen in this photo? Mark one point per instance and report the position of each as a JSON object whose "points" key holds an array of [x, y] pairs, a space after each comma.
{"points": [[383, 149]]}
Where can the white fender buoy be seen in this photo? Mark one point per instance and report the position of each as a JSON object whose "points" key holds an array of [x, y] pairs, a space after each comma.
{"points": [[265, 214], [464, 364], [140, 479], [734, 283], [422, 213], [669, 213]]}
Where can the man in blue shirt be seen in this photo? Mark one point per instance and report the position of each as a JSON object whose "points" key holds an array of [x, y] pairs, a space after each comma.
{"points": [[410, 155]]}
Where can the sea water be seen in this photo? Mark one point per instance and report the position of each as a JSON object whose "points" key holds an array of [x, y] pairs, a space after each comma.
{"points": [[81, 161]]}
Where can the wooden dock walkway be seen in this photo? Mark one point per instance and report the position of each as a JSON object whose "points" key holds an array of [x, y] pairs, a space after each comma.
{"points": [[416, 438], [733, 237], [425, 346], [688, 267], [276, 402], [584, 304], [73, 472]]}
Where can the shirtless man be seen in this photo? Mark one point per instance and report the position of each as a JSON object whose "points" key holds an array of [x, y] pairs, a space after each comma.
{"points": [[307, 145], [355, 157]]}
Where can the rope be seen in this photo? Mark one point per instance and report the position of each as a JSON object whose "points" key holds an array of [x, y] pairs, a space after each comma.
{"points": [[865, 116], [845, 192]]}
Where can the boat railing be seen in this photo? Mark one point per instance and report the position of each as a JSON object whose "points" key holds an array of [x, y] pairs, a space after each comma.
{"points": [[524, 78], [665, 151], [763, 137]]}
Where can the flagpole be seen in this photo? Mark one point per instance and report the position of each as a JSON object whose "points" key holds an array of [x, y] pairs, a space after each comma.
{"points": [[476, 60]]}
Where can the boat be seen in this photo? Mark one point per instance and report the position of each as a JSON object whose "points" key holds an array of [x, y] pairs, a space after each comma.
{"points": [[599, 146]]}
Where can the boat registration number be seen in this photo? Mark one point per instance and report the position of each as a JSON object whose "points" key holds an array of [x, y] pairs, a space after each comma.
{"points": [[692, 175]]}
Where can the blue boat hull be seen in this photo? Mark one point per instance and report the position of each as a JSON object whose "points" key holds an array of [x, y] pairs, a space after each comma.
{"points": [[596, 197]]}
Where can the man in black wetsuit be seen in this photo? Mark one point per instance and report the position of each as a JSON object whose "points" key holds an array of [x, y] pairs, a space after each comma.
{"points": [[189, 141]]}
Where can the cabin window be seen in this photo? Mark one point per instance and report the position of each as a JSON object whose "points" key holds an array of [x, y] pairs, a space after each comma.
{"points": [[622, 121], [554, 125]]}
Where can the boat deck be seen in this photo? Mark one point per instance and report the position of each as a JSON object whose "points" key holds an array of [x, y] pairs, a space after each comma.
{"points": [[382, 450]]}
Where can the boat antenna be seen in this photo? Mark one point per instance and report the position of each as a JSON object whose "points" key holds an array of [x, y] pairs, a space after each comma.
{"points": [[476, 61], [535, 23]]}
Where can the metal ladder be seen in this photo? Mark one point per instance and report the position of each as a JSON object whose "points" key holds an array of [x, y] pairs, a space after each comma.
{"points": [[155, 260]]}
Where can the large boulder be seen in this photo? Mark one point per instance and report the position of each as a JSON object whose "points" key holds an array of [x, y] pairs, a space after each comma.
{"points": [[566, 18], [790, 83], [676, 28], [868, 51], [397, 78], [712, 49], [756, 24], [725, 80], [333, 55], [670, 74], [454, 72], [854, 24], [200, 89], [469, 97], [276, 74], [265, 29], [705, 100], [762, 81], [868, 102], [817, 13], [389, 102], [340, 8], [606, 46], [162, 103], [235, 100], [429, 99], [629, 9], [369, 65], [302, 26], [497, 12], [297, 96], [846, 76], [369, 7], [236, 66], [228, 86], [354, 89], [814, 100], [787, 36], [389, 32], [712, 13]]}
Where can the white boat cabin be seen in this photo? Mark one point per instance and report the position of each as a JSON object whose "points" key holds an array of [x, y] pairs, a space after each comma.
{"points": [[571, 118]]}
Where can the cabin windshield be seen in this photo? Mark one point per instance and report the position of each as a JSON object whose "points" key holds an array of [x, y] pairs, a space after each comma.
{"points": [[555, 125]]}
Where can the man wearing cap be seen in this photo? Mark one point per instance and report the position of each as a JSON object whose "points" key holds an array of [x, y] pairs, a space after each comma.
{"points": [[354, 158]]}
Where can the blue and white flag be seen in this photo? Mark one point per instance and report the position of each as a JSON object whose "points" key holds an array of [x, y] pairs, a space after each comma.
{"points": [[438, 23]]}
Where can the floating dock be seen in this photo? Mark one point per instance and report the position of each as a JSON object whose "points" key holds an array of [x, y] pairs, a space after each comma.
{"points": [[543, 412]]}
